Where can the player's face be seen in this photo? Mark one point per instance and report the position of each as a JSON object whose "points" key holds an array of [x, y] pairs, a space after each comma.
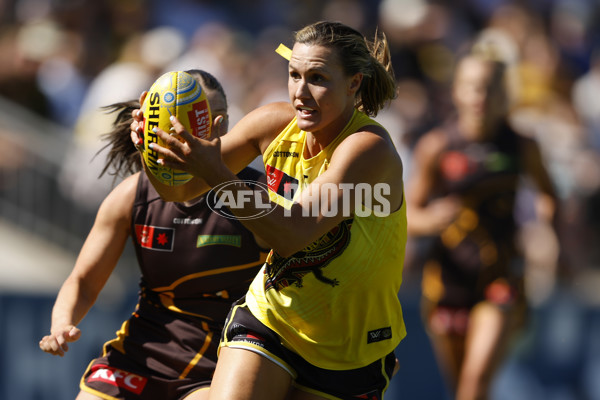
{"points": [[478, 92], [320, 91], [218, 106]]}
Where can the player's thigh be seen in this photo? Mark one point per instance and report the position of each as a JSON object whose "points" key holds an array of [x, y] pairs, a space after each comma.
{"points": [[244, 375], [200, 394], [487, 338], [87, 396]]}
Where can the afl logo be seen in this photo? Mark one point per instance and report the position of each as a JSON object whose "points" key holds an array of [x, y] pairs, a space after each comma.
{"points": [[229, 196]]}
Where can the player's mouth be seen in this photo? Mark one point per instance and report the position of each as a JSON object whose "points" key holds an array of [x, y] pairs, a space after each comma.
{"points": [[305, 112]]}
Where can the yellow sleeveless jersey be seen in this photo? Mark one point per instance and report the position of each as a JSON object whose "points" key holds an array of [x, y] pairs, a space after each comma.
{"points": [[335, 303]]}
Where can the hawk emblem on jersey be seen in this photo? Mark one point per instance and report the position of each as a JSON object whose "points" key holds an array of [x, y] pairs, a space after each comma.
{"points": [[282, 272]]}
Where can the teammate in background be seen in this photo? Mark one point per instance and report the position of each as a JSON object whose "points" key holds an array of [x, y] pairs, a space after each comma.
{"points": [[462, 193], [322, 318], [194, 263]]}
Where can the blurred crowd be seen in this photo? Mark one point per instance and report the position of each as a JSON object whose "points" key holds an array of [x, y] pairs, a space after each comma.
{"points": [[64, 59]]}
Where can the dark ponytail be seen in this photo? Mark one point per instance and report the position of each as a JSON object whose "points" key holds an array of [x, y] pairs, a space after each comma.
{"points": [[122, 156]]}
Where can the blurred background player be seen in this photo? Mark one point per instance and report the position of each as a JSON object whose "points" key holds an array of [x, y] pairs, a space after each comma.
{"points": [[193, 264], [463, 192]]}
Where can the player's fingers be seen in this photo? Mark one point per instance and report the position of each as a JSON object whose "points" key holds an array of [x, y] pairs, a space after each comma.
{"points": [[216, 141], [64, 347], [50, 345], [44, 343], [137, 135], [73, 334], [168, 142], [62, 341], [56, 349], [180, 129], [170, 154], [137, 115], [218, 127], [143, 96]]}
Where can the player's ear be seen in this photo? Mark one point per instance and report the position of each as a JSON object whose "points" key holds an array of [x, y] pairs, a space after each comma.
{"points": [[355, 82]]}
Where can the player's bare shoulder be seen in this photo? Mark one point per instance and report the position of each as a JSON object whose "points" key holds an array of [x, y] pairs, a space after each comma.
{"points": [[280, 112], [118, 203], [370, 155], [263, 124], [373, 141]]}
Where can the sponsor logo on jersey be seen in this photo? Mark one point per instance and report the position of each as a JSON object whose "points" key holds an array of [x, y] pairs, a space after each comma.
{"points": [[499, 162], [379, 334], [117, 377], [187, 221], [154, 237], [281, 183], [226, 240], [286, 154], [455, 165]]}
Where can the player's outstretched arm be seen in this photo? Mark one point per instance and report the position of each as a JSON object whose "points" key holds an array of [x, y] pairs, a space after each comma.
{"points": [[96, 261]]}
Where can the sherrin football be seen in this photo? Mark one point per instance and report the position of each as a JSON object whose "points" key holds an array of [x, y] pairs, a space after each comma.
{"points": [[174, 93]]}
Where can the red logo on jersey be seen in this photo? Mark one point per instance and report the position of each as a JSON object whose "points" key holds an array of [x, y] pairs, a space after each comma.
{"points": [[455, 165], [154, 237], [273, 178], [281, 183], [117, 377]]}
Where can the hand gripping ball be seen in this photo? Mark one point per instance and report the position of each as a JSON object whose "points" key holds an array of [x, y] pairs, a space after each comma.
{"points": [[174, 93]]}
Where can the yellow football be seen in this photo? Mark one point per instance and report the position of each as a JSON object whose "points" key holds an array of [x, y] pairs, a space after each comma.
{"points": [[173, 93]]}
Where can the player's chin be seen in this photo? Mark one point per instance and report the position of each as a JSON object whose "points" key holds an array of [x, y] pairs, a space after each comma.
{"points": [[308, 123]]}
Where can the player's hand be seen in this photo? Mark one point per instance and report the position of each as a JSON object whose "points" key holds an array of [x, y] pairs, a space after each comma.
{"points": [[185, 152], [137, 125], [218, 128], [57, 343], [443, 212]]}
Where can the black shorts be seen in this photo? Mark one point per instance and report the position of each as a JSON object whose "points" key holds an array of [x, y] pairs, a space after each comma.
{"points": [[448, 300], [244, 331], [158, 354]]}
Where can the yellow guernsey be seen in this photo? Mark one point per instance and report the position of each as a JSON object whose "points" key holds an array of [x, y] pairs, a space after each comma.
{"points": [[335, 302]]}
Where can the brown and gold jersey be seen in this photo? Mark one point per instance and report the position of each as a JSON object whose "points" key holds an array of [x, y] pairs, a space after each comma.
{"points": [[193, 260]]}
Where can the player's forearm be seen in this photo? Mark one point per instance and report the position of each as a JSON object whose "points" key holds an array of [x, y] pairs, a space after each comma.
{"points": [[420, 222], [72, 304], [285, 230]]}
